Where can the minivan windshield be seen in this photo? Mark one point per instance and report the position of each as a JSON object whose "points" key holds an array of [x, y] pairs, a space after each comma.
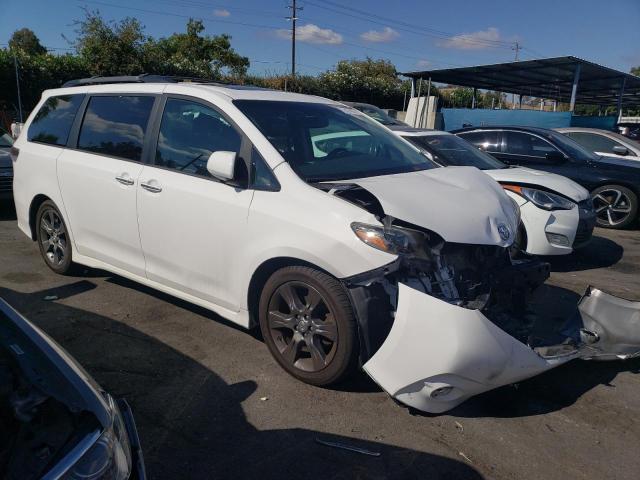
{"points": [[449, 150], [377, 114], [325, 142]]}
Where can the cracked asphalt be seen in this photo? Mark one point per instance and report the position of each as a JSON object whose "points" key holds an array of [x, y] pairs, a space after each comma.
{"points": [[211, 403]]}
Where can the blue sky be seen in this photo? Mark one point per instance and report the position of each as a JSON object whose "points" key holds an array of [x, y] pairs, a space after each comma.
{"points": [[413, 34]]}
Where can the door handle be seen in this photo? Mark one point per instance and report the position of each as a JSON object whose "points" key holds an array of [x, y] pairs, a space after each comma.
{"points": [[125, 179], [151, 187]]}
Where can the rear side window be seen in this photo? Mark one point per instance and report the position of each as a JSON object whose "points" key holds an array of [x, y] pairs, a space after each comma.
{"points": [[594, 142], [487, 140], [116, 125], [53, 121]]}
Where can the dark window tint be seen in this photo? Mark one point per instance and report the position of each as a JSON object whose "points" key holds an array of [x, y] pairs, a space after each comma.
{"points": [[53, 121], [595, 142], [519, 143], [487, 140], [116, 125], [189, 133]]}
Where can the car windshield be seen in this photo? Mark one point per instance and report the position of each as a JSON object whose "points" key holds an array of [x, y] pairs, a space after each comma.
{"points": [[449, 150], [570, 147], [377, 114], [324, 142], [5, 140]]}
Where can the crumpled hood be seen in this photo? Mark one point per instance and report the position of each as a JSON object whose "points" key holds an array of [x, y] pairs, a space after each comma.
{"points": [[461, 204], [550, 181]]}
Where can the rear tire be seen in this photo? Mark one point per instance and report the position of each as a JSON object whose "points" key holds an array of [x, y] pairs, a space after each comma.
{"points": [[53, 238], [616, 206], [308, 324]]}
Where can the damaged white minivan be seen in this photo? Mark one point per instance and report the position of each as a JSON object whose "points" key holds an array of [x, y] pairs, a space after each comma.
{"points": [[306, 217]]}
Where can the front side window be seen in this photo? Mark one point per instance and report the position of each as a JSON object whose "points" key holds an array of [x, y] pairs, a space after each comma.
{"points": [[525, 144], [488, 141], [324, 142], [116, 125], [189, 133], [53, 121], [449, 150], [595, 142]]}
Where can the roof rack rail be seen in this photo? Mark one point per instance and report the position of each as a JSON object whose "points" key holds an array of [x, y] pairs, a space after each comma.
{"points": [[143, 78]]}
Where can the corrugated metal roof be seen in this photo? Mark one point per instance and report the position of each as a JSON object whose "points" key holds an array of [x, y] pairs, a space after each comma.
{"points": [[549, 78]]}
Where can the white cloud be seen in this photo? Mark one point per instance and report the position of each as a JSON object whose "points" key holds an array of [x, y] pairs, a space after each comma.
{"points": [[222, 13], [387, 34], [473, 41], [311, 33], [423, 63]]}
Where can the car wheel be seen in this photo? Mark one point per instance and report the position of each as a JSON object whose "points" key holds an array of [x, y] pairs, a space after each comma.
{"points": [[53, 239], [615, 206], [308, 325]]}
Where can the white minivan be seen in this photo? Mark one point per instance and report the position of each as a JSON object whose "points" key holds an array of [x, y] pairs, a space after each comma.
{"points": [[306, 217]]}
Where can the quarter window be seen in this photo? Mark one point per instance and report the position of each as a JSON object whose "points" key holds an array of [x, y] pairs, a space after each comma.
{"points": [[116, 125], [53, 121], [189, 133], [519, 143]]}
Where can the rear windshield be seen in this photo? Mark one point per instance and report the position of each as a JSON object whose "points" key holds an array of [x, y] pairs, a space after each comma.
{"points": [[325, 142], [449, 150]]}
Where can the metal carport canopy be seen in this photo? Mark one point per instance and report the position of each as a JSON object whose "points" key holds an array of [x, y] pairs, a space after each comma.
{"points": [[548, 78]]}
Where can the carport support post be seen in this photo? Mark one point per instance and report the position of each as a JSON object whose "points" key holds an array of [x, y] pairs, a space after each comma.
{"points": [[624, 82], [574, 88], [473, 99], [415, 116], [413, 87]]}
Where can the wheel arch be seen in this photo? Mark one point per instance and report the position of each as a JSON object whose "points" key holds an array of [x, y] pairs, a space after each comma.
{"points": [[262, 274], [33, 211]]}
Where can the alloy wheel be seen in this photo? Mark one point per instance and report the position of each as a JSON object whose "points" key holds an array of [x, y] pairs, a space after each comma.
{"points": [[53, 237], [612, 206], [302, 326]]}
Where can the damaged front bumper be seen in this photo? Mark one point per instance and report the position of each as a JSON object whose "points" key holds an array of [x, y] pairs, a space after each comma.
{"points": [[437, 354]]}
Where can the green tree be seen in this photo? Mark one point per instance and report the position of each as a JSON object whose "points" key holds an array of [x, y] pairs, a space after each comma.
{"points": [[111, 48], [25, 41], [635, 71], [193, 54]]}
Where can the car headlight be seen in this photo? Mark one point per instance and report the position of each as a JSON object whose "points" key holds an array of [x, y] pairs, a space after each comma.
{"points": [[393, 240], [109, 458], [542, 199]]}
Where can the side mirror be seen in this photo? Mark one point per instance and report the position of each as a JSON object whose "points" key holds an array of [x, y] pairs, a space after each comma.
{"points": [[221, 165], [555, 156], [620, 150]]}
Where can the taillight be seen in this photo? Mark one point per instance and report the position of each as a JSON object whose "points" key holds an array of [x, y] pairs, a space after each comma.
{"points": [[14, 154]]}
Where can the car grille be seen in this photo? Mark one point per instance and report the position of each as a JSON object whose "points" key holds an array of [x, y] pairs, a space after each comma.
{"points": [[6, 181]]}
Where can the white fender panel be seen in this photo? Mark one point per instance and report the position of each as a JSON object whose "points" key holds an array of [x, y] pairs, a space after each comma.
{"points": [[437, 355]]}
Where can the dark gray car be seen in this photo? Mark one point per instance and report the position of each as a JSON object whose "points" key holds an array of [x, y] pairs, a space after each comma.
{"points": [[55, 421], [6, 168]]}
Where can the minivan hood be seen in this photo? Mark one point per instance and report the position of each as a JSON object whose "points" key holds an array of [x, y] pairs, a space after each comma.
{"points": [[461, 204], [550, 181]]}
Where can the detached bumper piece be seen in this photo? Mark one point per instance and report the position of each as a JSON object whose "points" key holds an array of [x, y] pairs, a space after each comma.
{"points": [[437, 354]]}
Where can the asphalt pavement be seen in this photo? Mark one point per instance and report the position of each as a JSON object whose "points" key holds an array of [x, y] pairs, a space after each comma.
{"points": [[210, 402]]}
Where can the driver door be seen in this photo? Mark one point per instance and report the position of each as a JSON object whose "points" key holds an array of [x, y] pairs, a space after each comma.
{"points": [[192, 226]]}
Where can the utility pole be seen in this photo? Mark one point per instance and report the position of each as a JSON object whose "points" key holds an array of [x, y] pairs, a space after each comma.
{"points": [[294, 8], [517, 48], [15, 66]]}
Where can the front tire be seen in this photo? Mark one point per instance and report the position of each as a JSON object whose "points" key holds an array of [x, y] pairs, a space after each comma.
{"points": [[616, 206], [308, 325], [53, 238]]}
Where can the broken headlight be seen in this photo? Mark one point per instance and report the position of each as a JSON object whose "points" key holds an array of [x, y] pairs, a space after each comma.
{"points": [[542, 199], [109, 458], [393, 240]]}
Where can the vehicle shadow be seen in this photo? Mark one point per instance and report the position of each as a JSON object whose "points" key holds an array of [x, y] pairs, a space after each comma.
{"points": [[601, 252], [191, 422], [553, 390], [7, 210]]}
